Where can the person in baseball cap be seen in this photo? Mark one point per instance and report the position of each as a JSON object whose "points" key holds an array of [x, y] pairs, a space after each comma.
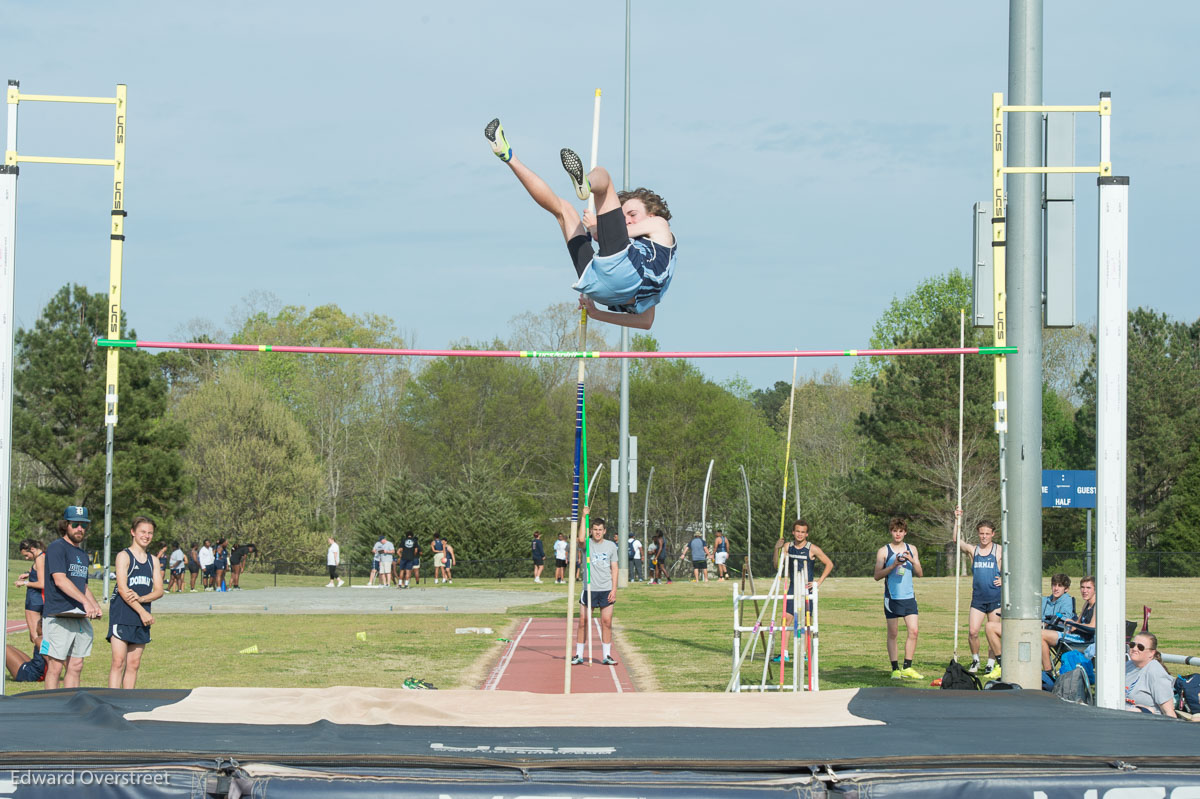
{"points": [[76, 513], [69, 603]]}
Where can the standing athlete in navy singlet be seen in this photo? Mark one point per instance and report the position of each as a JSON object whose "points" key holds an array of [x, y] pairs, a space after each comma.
{"points": [[139, 582]]}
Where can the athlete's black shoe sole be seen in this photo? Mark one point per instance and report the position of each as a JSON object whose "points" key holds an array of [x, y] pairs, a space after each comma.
{"points": [[574, 167]]}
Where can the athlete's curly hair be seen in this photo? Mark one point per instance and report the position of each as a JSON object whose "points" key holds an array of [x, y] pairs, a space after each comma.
{"points": [[655, 204]]}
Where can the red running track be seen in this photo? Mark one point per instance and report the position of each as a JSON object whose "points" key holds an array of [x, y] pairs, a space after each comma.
{"points": [[16, 627], [533, 662]]}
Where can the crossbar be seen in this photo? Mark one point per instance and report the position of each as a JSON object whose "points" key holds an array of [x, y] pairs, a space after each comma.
{"points": [[17, 96], [48, 159], [201, 345]]}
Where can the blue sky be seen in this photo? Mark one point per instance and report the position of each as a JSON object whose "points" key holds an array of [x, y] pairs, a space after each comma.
{"points": [[818, 159]]}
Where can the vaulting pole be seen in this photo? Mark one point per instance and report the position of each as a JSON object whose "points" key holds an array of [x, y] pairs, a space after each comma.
{"points": [[962, 363], [580, 448], [787, 457], [574, 543]]}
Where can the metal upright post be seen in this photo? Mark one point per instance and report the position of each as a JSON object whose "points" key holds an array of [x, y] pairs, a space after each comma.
{"points": [[623, 426], [1112, 320], [113, 317], [1087, 568], [8, 238], [1023, 550], [8, 227]]}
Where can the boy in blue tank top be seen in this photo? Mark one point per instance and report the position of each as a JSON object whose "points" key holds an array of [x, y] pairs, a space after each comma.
{"points": [[139, 582], [636, 259], [721, 555], [985, 597], [897, 563]]}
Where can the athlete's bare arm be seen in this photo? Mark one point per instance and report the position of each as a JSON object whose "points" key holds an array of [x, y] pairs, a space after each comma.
{"points": [[881, 558], [654, 228]]}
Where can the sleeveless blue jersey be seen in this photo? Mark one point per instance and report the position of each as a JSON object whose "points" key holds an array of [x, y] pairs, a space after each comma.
{"points": [[985, 569], [33, 596], [722, 545], [799, 560], [898, 584], [141, 581]]}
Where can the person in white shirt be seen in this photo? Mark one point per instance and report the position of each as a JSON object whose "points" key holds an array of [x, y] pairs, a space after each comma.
{"points": [[207, 566], [635, 562], [560, 559], [386, 554], [177, 563], [333, 559]]}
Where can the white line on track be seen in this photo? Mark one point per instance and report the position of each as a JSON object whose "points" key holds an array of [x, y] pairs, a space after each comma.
{"points": [[498, 672], [612, 670]]}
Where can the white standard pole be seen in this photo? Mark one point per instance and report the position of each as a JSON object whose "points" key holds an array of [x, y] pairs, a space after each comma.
{"points": [[737, 642], [1111, 383], [8, 237], [814, 668], [595, 143], [704, 513]]}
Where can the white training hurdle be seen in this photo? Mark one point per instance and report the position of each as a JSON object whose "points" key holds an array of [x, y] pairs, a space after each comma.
{"points": [[805, 644]]}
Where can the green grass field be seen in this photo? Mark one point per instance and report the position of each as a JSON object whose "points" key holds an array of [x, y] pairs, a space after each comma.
{"points": [[677, 637]]}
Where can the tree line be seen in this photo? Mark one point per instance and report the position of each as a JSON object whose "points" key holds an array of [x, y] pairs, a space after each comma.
{"points": [[284, 450]]}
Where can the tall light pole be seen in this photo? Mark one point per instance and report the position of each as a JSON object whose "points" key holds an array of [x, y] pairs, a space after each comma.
{"points": [[1021, 636]]}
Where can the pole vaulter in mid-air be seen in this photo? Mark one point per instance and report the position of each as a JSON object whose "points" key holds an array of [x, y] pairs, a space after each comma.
{"points": [[636, 259]]}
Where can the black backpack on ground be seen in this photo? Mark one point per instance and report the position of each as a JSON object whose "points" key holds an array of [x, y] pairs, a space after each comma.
{"points": [[957, 678]]}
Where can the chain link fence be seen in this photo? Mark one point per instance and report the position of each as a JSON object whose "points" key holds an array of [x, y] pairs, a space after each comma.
{"points": [[939, 563], [358, 572]]}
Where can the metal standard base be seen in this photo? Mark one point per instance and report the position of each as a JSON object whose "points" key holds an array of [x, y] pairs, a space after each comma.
{"points": [[806, 672]]}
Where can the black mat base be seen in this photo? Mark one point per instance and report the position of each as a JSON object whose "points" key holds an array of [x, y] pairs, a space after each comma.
{"points": [[932, 743]]}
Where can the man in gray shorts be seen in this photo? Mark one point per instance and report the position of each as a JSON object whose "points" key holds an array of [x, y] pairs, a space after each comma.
{"points": [[603, 593], [69, 604], [700, 553]]}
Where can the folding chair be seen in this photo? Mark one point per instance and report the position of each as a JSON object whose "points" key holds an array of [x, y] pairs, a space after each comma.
{"points": [[1064, 645]]}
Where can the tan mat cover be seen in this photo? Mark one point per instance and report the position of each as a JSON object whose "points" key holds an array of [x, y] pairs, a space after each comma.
{"points": [[349, 705]]}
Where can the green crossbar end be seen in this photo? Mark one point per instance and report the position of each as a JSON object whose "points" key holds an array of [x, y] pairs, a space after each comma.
{"points": [[116, 342], [558, 354], [997, 350]]}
